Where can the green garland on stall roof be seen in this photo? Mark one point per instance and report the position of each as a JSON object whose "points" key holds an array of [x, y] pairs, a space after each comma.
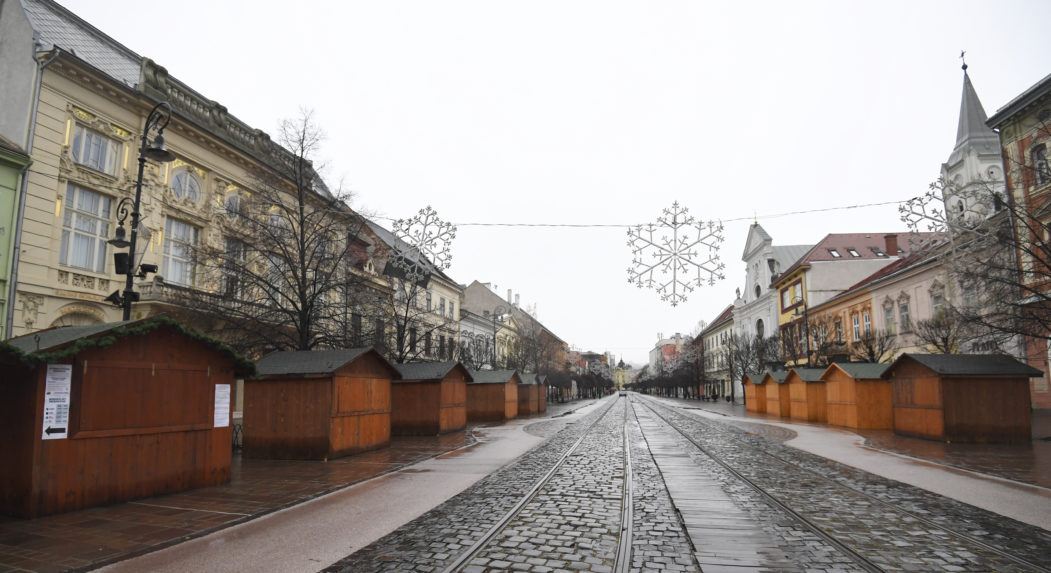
{"points": [[242, 365]]}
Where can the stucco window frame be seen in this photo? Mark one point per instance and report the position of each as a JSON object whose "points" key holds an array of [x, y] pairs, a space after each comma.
{"points": [[790, 290]]}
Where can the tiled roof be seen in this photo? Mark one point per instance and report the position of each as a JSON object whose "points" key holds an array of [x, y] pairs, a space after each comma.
{"points": [[860, 370], [492, 376], [725, 315], [317, 362], [401, 247], [868, 246], [59, 27], [809, 374], [9, 145], [989, 365], [428, 370], [1033, 93]]}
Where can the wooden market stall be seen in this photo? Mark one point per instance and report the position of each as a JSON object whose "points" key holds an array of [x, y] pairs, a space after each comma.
{"points": [[529, 397], [778, 401], [545, 391], [318, 404], [857, 396], [754, 393], [92, 415], [974, 398], [806, 391], [492, 396], [430, 399]]}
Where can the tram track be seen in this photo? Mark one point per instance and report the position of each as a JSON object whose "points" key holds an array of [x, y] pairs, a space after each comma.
{"points": [[621, 558], [830, 537]]}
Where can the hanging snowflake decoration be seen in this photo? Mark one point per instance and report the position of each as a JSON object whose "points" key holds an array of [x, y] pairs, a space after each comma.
{"points": [[426, 243], [676, 254]]}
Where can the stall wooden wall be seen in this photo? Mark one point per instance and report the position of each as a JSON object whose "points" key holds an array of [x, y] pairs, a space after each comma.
{"points": [[543, 390], [20, 423], [429, 407], [807, 400], [528, 399], [361, 413], [287, 418], [778, 400], [859, 404], [987, 410], [917, 396], [453, 417], [492, 402], [755, 397], [141, 424]]}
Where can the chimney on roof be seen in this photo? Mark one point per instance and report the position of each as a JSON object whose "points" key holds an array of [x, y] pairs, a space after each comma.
{"points": [[508, 296], [891, 244], [518, 299]]}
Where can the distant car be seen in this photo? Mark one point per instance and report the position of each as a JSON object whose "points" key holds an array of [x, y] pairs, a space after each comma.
{"points": [[623, 392]]}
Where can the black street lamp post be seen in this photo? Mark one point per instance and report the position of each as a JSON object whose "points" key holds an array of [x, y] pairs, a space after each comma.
{"points": [[124, 263], [498, 311], [806, 329]]}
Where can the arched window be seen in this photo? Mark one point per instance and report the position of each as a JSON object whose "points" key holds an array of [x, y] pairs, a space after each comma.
{"points": [[758, 291], [759, 328], [186, 185]]}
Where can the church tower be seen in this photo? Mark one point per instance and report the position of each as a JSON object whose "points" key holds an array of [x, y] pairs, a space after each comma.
{"points": [[973, 175]]}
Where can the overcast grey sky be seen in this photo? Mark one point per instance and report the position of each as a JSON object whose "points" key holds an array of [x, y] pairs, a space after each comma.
{"points": [[605, 112]]}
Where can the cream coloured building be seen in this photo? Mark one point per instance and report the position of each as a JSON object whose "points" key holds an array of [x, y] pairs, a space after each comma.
{"points": [[88, 100]]}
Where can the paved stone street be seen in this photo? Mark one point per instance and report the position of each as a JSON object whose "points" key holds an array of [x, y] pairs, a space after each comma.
{"points": [[706, 495]]}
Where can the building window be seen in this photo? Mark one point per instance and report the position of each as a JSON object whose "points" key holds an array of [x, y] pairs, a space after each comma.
{"points": [[759, 329], [758, 291], [835, 254], [379, 330], [441, 346], [428, 301], [85, 229], [412, 339], [427, 344], [441, 306], [853, 252], [355, 329], [857, 326], [903, 315], [233, 266], [867, 320], [937, 302], [186, 185], [839, 330], [889, 318], [1040, 165], [180, 238], [92, 149], [877, 251], [233, 204], [452, 309]]}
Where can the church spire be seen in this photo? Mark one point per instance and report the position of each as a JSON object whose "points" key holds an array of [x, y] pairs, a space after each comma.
{"points": [[972, 130]]}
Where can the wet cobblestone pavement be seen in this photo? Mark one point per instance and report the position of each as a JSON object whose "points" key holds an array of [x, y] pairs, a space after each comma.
{"points": [[757, 505]]}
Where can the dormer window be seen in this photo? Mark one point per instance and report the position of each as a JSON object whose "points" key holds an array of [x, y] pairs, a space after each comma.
{"points": [[853, 252], [877, 251], [835, 254]]}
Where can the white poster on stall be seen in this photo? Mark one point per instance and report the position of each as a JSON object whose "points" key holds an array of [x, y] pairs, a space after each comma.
{"points": [[222, 405], [57, 386]]}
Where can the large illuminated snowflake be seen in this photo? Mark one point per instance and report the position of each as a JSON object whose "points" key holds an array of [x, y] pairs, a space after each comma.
{"points": [[426, 243], [676, 254]]}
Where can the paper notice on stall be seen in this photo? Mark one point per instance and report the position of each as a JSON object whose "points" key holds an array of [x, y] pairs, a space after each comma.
{"points": [[57, 386], [222, 405]]}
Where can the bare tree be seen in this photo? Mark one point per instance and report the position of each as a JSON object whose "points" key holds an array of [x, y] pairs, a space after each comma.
{"points": [[475, 351], [276, 272], [946, 332]]}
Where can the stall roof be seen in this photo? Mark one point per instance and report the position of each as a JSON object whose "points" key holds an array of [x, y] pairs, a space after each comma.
{"points": [[541, 378], [430, 370], [971, 365], [777, 376], [860, 370], [492, 376], [313, 362], [809, 374], [65, 341]]}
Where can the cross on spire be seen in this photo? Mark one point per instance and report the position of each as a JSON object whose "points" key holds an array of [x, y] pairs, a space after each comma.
{"points": [[963, 55]]}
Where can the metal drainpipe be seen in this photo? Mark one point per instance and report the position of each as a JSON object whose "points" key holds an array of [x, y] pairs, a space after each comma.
{"points": [[12, 290]]}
